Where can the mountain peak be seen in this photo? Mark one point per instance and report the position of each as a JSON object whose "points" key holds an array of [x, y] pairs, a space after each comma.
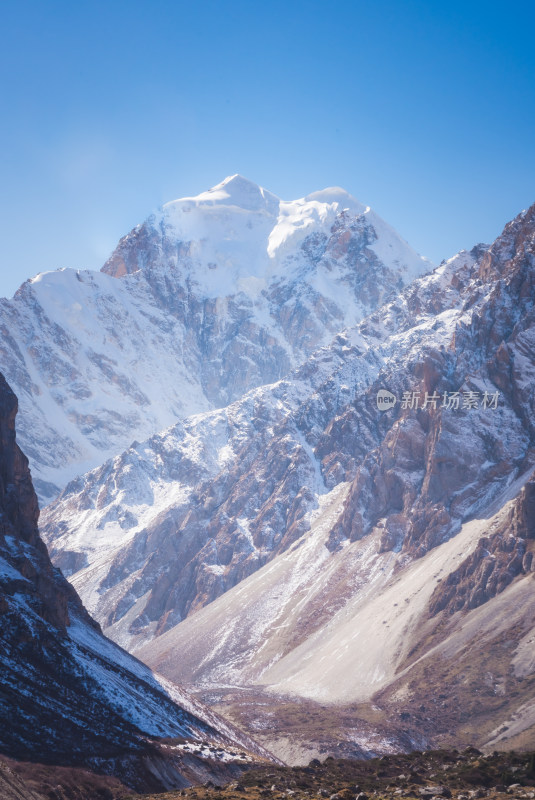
{"points": [[236, 191], [238, 230], [237, 184]]}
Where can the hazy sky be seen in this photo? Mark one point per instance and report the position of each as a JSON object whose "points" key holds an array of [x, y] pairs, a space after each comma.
{"points": [[423, 110]]}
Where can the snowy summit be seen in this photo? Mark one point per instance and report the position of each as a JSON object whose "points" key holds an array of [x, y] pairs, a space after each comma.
{"points": [[237, 230], [212, 296]]}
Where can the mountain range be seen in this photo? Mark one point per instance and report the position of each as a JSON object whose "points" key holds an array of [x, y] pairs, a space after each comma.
{"points": [[212, 296], [311, 494]]}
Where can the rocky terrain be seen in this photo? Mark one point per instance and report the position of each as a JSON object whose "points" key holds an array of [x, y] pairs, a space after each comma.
{"points": [[210, 500], [303, 544], [312, 501], [22, 780], [68, 696], [465, 775], [208, 298]]}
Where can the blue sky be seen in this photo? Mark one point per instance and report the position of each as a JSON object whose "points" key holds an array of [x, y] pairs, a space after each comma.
{"points": [[423, 110]]}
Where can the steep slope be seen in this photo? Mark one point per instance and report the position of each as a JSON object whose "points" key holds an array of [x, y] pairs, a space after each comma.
{"points": [[410, 601], [175, 522], [382, 676], [337, 627], [68, 695], [172, 523], [212, 296]]}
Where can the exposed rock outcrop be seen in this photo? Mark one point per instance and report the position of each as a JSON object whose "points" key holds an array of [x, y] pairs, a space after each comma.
{"points": [[498, 559], [33, 576]]}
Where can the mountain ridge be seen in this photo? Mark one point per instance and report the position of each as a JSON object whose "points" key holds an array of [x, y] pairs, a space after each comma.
{"points": [[296, 515], [289, 547], [198, 315], [289, 443]]}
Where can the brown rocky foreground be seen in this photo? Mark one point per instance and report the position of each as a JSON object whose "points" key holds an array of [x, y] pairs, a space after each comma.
{"points": [[465, 775]]}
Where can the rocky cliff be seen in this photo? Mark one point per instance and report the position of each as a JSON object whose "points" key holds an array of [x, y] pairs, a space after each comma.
{"points": [[68, 695], [503, 555]]}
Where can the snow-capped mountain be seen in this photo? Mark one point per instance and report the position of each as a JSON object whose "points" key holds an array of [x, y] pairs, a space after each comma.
{"points": [[332, 544], [68, 695], [332, 500], [212, 296], [408, 599]]}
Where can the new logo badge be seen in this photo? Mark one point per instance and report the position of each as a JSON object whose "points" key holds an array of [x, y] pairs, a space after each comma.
{"points": [[385, 400]]}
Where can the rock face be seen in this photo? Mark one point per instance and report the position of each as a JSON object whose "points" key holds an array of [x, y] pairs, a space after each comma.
{"points": [[48, 593], [497, 560], [212, 296], [70, 696], [173, 523]]}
